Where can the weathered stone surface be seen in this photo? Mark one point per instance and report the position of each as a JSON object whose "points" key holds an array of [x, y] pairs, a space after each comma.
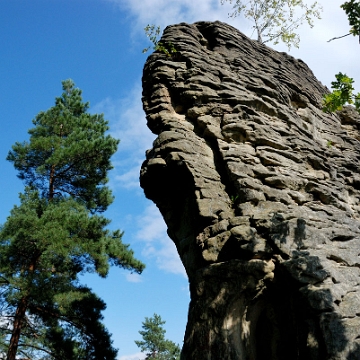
{"points": [[260, 192]]}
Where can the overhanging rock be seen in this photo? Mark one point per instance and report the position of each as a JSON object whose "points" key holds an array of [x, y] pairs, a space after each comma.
{"points": [[260, 192]]}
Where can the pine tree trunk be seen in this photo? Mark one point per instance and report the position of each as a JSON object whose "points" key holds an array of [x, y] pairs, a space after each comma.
{"points": [[20, 315], [51, 182], [18, 323]]}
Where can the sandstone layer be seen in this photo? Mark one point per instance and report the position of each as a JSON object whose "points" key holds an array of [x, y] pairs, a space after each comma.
{"points": [[260, 192]]}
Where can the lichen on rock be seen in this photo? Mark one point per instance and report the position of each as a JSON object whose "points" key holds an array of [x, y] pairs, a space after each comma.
{"points": [[260, 192]]}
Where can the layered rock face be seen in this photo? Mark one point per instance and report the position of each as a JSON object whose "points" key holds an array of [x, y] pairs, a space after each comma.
{"points": [[260, 192]]}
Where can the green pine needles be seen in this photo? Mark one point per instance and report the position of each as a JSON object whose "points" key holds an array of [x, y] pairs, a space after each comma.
{"points": [[154, 344], [57, 233]]}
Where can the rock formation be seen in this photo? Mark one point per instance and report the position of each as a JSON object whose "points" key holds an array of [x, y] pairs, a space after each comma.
{"points": [[260, 192]]}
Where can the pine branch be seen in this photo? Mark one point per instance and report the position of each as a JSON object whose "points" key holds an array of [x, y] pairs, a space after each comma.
{"points": [[37, 348]]}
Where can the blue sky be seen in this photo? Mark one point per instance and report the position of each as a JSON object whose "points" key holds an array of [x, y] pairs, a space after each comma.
{"points": [[98, 44]]}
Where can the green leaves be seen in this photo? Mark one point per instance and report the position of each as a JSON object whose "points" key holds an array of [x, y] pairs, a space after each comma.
{"points": [[154, 344], [277, 20], [342, 94], [153, 33], [343, 90]]}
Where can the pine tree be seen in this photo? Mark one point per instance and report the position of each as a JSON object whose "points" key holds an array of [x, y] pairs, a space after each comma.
{"points": [[154, 343], [57, 233]]}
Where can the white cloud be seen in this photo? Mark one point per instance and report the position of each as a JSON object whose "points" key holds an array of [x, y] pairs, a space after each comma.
{"points": [[152, 225], [127, 120], [165, 12], [158, 246], [325, 59], [126, 115], [137, 356], [133, 277], [129, 179], [127, 123]]}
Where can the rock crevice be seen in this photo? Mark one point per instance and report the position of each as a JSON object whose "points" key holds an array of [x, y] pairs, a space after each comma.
{"points": [[260, 192]]}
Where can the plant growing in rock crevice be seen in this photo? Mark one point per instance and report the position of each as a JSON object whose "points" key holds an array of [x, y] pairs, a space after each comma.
{"points": [[153, 33]]}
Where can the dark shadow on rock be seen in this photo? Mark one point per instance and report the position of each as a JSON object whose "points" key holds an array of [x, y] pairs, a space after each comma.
{"points": [[230, 319], [355, 353]]}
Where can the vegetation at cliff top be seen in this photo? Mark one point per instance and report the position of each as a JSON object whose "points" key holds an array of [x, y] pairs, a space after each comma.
{"points": [[343, 93], [343, 90], [153, 33], [57, 233], [276, 20]]}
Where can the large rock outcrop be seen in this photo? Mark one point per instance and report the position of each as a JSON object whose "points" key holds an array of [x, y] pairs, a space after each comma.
{"points": [[260, 192]]}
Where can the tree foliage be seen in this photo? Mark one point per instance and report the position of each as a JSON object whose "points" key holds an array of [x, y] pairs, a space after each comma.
{"points": [[153, 33], [56, 233], [352, 10], [276, 20], [343, 90], [154, 343], [343, 93]]}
